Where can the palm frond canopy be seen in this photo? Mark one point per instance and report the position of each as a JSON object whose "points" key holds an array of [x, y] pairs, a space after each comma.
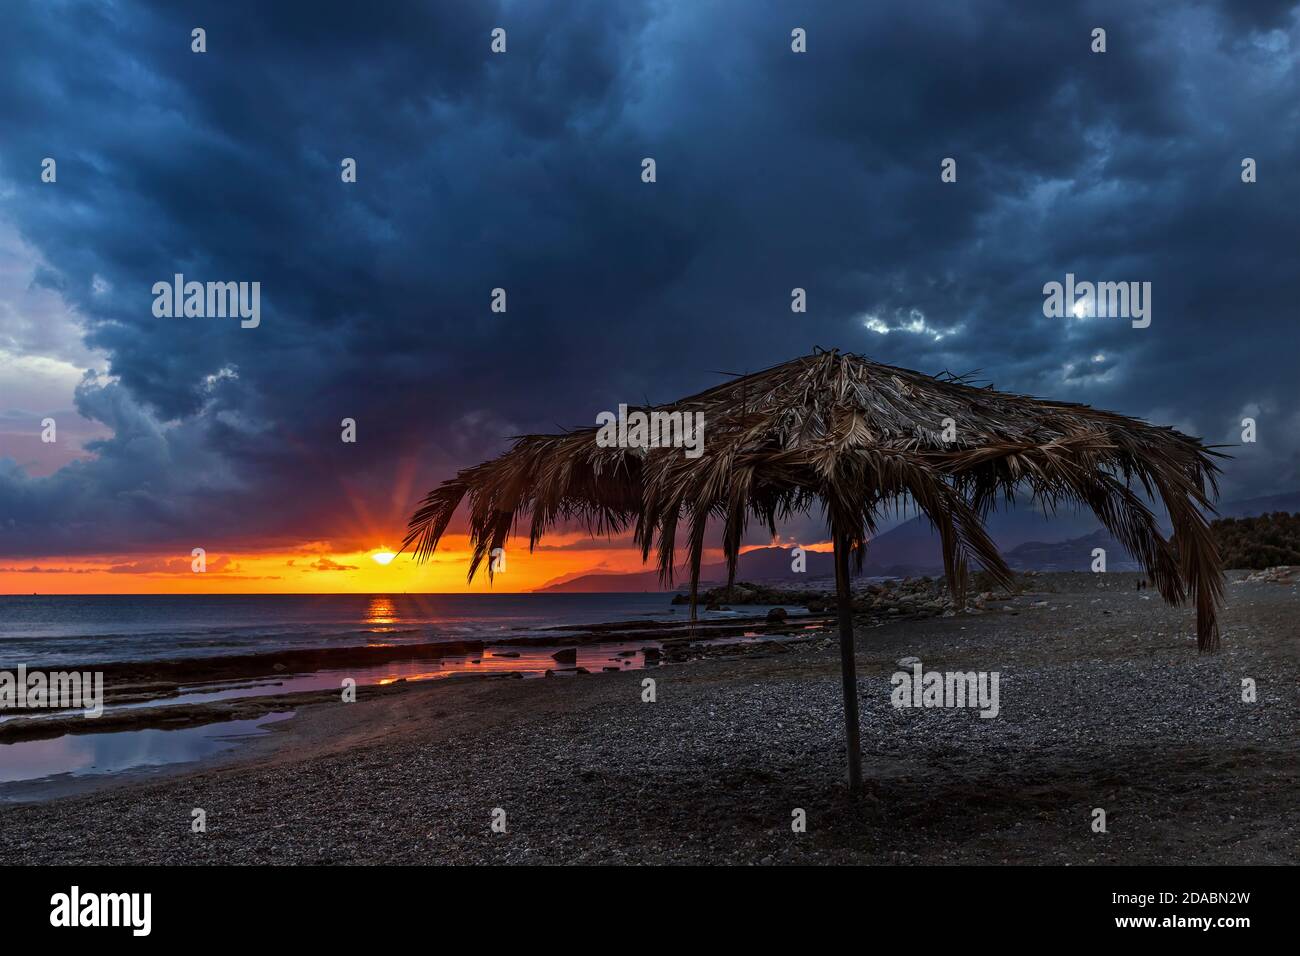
{"points": [[854, 437]]}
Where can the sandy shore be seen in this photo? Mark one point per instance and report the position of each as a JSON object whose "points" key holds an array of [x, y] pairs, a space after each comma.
{"points": [[1104, 702]]}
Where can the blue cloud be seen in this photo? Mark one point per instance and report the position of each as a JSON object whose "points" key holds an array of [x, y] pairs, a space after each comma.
{"points": [[522, 171]]}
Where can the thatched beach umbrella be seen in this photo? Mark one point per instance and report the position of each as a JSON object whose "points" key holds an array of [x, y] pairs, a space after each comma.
{"points": [[853, 437]]}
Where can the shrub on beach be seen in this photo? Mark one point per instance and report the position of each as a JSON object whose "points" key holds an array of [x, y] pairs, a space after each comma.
{"points": [[1257, 543]]}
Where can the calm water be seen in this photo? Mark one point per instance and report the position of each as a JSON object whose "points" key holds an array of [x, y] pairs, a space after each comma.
{"points": [[42, 631], [93, 754]]}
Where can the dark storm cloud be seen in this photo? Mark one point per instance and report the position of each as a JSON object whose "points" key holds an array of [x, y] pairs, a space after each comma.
{"points": [[522, 171]]}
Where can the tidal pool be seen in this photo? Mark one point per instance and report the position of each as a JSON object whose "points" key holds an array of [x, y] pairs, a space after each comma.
{"points": [[80, 755]]}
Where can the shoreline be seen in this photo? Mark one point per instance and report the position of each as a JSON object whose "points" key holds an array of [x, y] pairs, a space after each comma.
{"points": [[167, 693], [132, 686], [1105, 703]]}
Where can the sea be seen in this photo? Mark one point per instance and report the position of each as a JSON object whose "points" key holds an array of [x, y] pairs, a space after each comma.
{"points": [[45, 631]]}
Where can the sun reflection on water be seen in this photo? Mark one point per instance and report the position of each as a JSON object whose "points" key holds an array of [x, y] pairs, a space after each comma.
{"points": [[381, 612]]}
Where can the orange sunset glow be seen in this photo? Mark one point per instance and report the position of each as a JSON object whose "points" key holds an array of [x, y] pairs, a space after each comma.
{"points": [[317, 568], [313, 568]]}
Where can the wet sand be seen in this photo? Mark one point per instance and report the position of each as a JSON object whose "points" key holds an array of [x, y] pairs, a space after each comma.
{"points": [[1104, 703]]}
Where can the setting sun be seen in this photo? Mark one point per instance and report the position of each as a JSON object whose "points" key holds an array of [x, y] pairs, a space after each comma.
{"points": [[383, 556]]}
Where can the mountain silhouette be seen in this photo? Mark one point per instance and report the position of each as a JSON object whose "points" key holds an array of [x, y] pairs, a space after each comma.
{"points": [[1027, 538]]}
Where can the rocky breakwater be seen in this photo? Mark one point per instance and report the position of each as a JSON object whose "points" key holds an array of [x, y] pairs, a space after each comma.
{"points": [[1282, 574]]}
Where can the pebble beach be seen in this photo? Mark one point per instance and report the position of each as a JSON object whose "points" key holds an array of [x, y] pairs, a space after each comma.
{"points": [[739, 757]]}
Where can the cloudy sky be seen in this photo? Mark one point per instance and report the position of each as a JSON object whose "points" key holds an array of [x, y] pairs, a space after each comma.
{"points": [[523, 170]]}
